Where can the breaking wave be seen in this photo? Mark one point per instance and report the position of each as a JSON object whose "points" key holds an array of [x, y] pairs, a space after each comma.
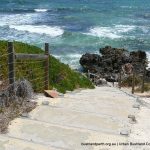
{"points": [[111, 32], [40, 10], [43, 29], [73, 59]]}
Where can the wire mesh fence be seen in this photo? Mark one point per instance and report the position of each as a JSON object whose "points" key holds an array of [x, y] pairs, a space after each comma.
{"points": [[31, 67]]}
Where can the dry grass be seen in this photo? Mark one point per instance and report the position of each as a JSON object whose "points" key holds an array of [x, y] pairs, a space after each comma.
{"points": [[15, 100], [7, 114]]}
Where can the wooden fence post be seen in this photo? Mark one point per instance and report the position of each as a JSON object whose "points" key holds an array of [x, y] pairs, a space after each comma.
{"points": [[133, 81], [47, 66], [143, 78], [120, 79], [88, 74], [11, 63]]}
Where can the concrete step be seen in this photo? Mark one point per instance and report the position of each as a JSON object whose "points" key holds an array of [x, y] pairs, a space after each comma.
{"points": [[59, 136], [119, 109], [9, 143], [67, 117], [98, 91]]}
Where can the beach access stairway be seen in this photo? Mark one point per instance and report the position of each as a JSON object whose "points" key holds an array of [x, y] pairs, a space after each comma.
{"points": [[88, 116]]}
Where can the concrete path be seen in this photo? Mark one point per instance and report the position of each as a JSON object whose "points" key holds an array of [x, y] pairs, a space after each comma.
{"points": [[73, 121]]}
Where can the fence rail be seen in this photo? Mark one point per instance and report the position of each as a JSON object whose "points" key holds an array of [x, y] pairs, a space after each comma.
{"points": [[30, 56]]}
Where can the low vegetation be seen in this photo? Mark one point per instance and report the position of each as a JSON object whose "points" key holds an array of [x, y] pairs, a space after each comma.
{"points": [[138, 83], [127, 82], [15, 100], [146, 88]]}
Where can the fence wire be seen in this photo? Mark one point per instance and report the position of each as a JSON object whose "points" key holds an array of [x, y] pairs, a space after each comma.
{"points": [[30, 70]]}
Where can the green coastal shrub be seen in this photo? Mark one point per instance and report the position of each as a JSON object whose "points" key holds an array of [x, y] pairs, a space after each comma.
{"points": [[61, 76]]}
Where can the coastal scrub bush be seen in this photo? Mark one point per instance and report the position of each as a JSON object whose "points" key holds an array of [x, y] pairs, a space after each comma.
{"points": [[18, 92]]}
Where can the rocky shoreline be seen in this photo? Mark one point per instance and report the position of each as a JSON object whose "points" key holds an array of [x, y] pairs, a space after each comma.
{"points": [[111, 62]]}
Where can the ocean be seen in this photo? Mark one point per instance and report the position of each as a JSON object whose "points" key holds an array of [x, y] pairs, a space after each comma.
{"points": [[74, 27]]}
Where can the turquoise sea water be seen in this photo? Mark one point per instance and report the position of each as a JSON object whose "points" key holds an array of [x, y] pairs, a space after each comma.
{"points": [[73, 27]]}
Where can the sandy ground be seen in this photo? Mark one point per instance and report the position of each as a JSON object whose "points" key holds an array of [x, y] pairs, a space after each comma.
{"points": [[82, 120]]}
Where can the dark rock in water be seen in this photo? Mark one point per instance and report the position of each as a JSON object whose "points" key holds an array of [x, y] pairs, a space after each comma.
{"points": [[89, 60], [108, 50], [138, 56], [110, 61]]}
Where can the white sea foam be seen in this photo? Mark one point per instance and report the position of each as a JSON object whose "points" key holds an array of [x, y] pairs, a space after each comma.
{"points": [[145, 29], [17, 19], [43, 29], [127, 7], [104, 32], [41, 10], [111, 32], [73, 59], [124, 28], [75, 55]]}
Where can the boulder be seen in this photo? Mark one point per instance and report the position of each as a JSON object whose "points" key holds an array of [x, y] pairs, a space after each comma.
{"points": [[89, 60], [138, 56], [110, 61]]}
